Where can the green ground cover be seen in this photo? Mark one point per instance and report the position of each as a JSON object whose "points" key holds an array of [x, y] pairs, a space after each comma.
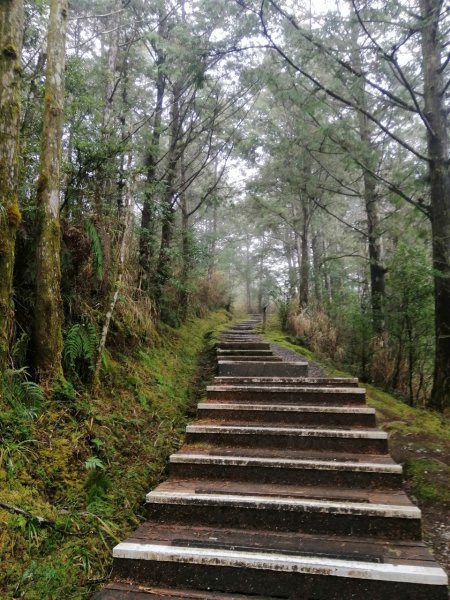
{"points": [[83, 462]]}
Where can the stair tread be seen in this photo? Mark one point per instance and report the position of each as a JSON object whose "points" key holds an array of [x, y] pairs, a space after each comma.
{"points": [[236, 450], [130, 591], [207, 458], [245, 489], [354, 409], [318, 544], [212, 426]]}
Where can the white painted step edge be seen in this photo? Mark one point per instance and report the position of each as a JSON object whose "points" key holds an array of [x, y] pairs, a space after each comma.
{"points": [[340, 433], [311, 565], [285, 503], [360, 410], [245, 461]]}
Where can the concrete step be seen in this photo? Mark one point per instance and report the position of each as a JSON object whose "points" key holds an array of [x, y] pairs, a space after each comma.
{"points": [[249, 357], [227, 413], [306, 472], [262, 369], [206, 503], [288, 381], [237, 565], [242, 351], [243, 345], [274, 394], [292, 438]]}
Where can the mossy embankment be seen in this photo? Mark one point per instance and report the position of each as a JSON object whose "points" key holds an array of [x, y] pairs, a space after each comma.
{"points": [[419, 439], [85, 461]]}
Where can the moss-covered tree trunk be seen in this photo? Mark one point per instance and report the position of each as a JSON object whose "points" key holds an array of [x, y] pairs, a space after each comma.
{"points": [[11, 26], [48, 313]]}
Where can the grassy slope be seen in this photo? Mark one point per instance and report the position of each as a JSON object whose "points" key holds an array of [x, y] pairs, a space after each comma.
{"points": [[418, 438], [86, 463]]}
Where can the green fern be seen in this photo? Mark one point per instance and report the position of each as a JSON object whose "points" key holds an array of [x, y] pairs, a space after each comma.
{"points": [[80, 346], [25, 397], [97, 250]]}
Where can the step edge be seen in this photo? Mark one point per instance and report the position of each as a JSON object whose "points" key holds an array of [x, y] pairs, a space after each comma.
{"points": [[270, 561], [288, 503], [301, 432], [183, 458]]}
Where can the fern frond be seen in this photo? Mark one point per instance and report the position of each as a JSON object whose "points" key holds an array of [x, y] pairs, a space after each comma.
{"points": [[97, 250], [80, 344]]}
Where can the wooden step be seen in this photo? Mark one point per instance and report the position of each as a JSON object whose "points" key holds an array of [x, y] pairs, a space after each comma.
{"points": [[339, 440], [207, 503], [310, 471], [224, 559], [131, 591], [243, 351], [228, 413], [288, 381], [243, 345], [262, 368], [274, 574], [287, 394]]}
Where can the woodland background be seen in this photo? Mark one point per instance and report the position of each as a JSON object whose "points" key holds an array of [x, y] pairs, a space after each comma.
{"points": [[162, 161]]}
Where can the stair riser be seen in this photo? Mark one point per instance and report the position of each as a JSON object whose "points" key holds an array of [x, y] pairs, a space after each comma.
{"points": [[285, 397], [253, 358], [273, 519], [273, 369], [243, 345], [295, 586], [280, 475], [226, 352], [283, 381], [290, 442], [289, 417]]}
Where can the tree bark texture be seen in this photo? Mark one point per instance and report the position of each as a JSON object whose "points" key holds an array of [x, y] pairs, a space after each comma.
{"points": [[437, 139], [11, 27], [48, 313], [147, 243], [163, 269], [377, 270]]}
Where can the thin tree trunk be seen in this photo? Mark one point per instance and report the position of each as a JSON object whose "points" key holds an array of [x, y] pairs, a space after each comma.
{"points": [[48, 309], [377, 270], [438, 150], [147, 243], [304, 266], [11, 28]]}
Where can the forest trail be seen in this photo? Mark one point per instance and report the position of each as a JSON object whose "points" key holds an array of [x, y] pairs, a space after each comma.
{"points": [[283, 489]]}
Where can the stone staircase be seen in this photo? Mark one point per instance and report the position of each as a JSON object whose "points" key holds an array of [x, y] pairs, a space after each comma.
{"points": [[283, 489]]}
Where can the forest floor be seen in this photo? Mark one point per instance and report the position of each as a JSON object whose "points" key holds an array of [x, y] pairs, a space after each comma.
{"points": [[85, 461], [418, 439]]}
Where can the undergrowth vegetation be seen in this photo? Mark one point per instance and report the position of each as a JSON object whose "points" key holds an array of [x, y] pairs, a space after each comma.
{"points": [[419, 438], [74, 468]]}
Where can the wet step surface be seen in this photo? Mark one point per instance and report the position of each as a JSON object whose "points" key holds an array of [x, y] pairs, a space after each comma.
{"points": [[283, 489]]}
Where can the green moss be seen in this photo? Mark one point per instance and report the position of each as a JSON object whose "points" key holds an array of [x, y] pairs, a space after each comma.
{"points": [[430, 479], [10, 51], [14, 215], [130, 427]]}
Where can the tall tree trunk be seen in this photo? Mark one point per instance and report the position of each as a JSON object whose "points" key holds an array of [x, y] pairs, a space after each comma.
{"points": [[377, 270], [48, 310], [438, 149], [163, 269], [147, 243], [11, 28]]}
